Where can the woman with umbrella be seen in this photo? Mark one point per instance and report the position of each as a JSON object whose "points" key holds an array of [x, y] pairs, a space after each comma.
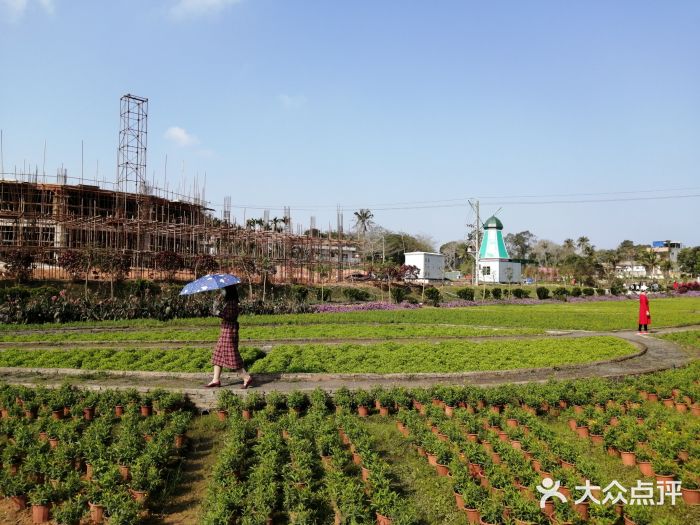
{"points": [[226, 352]]}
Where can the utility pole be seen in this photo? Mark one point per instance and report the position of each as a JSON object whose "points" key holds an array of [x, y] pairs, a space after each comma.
{"points": [[477, 237]]}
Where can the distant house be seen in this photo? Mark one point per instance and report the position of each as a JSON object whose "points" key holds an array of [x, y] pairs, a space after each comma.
{"points": [[431, 266], [630, 269], [495, 266]]}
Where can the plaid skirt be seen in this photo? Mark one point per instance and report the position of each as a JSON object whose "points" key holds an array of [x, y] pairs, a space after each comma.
{"points": [[226, 352]]}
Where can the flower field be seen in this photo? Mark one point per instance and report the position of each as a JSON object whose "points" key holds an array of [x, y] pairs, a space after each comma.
{"points": [[479, 455]]}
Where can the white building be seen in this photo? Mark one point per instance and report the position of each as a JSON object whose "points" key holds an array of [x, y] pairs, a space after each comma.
{"points": [[431, 266], [495, 266]]}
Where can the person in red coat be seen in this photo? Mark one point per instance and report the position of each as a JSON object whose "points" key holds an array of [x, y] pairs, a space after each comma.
{"points": [[644, 314], [226, 353]]}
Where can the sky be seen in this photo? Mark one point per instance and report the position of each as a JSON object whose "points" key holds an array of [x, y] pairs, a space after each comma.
{"points": [[566, 118]]}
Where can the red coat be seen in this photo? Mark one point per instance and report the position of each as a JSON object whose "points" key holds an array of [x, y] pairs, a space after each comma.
{"points": [[644, 313]]}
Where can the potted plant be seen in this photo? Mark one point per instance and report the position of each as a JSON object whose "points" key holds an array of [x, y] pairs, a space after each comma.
{"points": [[638, 515], [15, 487], [249, 403], [363, 400], [71, 511], [644, 458], [40, 497], [145, 478], [664, 469], [690, 483], [342, 398], [491, 512], [626, 444], [318, 398], [296, 401], [474, 496]]}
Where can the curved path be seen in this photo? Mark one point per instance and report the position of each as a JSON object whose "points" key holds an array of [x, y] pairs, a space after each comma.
{"points": [[654, 354]]}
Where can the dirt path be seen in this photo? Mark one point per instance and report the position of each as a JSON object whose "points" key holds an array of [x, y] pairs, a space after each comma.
{"points": [[184, 506]]}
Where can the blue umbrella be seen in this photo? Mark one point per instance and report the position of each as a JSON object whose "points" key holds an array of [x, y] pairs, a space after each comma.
{"points": [[210, 282]]}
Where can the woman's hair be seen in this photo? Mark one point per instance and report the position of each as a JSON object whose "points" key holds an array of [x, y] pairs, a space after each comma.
{"points": [[231, 293]]}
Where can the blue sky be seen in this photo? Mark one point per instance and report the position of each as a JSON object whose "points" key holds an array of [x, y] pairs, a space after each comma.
{"points": [[318, 104]]}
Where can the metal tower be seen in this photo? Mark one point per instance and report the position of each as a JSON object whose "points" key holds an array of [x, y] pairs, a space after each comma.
{"points": [[132, 145]]}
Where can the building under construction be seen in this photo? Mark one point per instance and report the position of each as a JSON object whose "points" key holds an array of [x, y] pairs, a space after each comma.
{"points": [[132, 217]]}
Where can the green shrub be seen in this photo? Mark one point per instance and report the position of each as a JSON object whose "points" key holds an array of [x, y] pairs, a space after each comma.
{"points": [[519, 293], [299, 293], [576, 292], [560, 293], [356, 294], [617, 287], [433, 296], [398, 294], [600, 291], [496, 293], [588, 292], [324, 294], [542, 292], [466, 294]]}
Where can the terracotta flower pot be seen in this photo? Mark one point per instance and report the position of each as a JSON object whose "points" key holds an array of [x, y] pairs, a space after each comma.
{"points": [[646, 469], [582, 509], [246, 414], [628, 521], [97, 513], [629, 459], [578, 409], [612, 451], [53, 442], [384, 411], [30, 414], [119, 410], [664, 479], [432, 459], [40, 513], [356, 458], [179, 441], [596, 439], [139, 496], [88, 413], [473, 516], [516, 444], [652, 397], [511, 422], [365, 474], [88, 471], [57, 414], [421, 451], [684, 455], [548, 508], [459, 500], [681, 407], [691, 496], [146, 410], [449, 410], [695, 410], [668, 402], [362, 411], [566, 465], [473, 437], [43, 436], [383, 520], [221, 415], [442, 470], [582, 432], [614, 421], [19, 502], [124, 472]]}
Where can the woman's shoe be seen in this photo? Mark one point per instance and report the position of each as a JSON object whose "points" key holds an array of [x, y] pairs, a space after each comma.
{"points": [[247, 383], [213, 384]]}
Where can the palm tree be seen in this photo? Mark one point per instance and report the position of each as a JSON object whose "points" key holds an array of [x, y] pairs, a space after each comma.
{"points": [[569, 245], [582, 243], [649, 258], [363, 220]]}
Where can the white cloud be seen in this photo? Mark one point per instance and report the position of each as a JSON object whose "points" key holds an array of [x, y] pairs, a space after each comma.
{"points": [[180, 137], [185, 8], [48, 6], [14, 10], [292, 101]]}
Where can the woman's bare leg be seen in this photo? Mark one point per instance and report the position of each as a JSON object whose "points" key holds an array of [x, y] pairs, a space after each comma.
{"points": [[217, 374]]}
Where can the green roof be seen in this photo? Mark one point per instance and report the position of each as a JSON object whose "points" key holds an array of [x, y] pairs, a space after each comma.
{"points": [[493, 222]]}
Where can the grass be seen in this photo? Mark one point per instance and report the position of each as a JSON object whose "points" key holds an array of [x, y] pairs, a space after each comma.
{"points": [[690, 340], [431, 496], [138, 359], [272, 332], [440, 357], [615, 315]]}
